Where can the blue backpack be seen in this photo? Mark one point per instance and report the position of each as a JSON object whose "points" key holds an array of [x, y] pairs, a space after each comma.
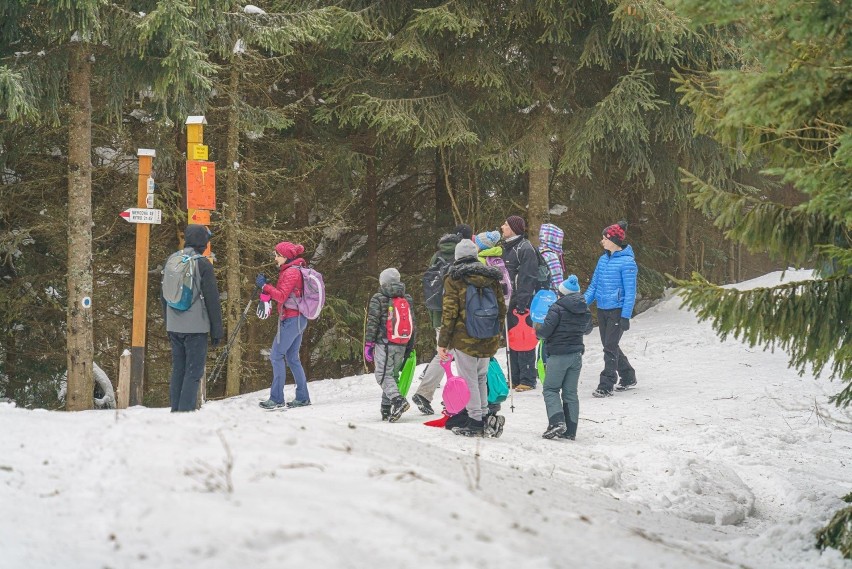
{"points": [[482, 315], [541, 303]]}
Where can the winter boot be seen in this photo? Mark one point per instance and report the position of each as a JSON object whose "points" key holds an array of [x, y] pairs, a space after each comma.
{"points": [[423, 404], [570, 423], [554, 430], [493, 425], [625, 385], [386, 410], [601, 392], [271, 405], [298, 403], [472, 428], [570, 432], [398, 406]]}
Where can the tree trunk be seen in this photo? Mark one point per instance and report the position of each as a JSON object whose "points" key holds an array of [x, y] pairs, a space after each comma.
{"points": [[443, 205], [538, 207], [232, 237], [538, 202], [732, 262], [682, 239], [371, 215], [80, 344]]}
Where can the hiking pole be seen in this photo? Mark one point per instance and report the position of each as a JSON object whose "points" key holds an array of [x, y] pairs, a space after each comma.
{"points": [[223, 357], [509, 365]]}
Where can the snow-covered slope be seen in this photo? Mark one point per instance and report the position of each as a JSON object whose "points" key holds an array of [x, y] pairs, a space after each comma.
{"points": [[718, 459]]}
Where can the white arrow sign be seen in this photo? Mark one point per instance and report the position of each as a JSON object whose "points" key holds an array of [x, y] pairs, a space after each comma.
{"points": [[142, 215]]}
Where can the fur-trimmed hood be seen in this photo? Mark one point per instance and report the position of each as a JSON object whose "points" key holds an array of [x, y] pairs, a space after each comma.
{"points": [[468, 267]]}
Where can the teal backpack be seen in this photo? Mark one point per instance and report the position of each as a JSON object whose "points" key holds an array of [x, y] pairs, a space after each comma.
{"points": [[498, 388]]}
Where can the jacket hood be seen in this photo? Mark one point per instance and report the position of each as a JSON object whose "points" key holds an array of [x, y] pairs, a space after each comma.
{"points": [[197, 237], [393, 290], [468, 267], [551, 237], [573, 302], [492, 252], [447, 243]]}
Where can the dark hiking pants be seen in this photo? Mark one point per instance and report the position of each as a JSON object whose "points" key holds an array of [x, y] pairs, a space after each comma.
{"points": [[615, 362], [189, 353]]}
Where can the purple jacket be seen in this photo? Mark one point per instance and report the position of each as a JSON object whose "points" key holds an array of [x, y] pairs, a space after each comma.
{"points": [[550, 239]]}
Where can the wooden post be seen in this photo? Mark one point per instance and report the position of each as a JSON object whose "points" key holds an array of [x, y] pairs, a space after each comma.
{"points": [[140, 282], [196, 150], [123, 395]]}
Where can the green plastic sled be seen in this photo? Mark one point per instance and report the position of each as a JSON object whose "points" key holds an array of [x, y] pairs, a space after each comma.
{"points": [[539, 361], [406, 375]]}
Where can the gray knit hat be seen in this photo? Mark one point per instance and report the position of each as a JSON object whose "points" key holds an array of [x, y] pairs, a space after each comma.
{"points": [[466, 248], [389, 276]]}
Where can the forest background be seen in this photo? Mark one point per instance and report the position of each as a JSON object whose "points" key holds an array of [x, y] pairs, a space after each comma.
{"points": [[365, 130]]}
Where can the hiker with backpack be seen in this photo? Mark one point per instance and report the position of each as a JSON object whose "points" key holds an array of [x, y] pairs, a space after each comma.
{"points": [[291, 326], [491, 254], [613, 288], [433, 292], [567, 321], [473, 309], [550, 247], [389, 339], [191, 311], [522, 262]]}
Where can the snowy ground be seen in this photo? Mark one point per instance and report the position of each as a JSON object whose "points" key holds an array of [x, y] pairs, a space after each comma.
{"points": [[717, 460]]}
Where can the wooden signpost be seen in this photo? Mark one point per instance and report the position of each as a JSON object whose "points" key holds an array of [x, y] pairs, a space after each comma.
{"points": [[144, 187], [200, 195]]}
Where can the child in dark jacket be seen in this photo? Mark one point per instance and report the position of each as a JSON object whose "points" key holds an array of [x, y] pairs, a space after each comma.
{"points": [[388, 354], [567, 321]]}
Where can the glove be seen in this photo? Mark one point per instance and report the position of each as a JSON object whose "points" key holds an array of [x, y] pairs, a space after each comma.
{"points": [[625, 324], [264, 307], [260, 280], [215, 341], [368, 351]]}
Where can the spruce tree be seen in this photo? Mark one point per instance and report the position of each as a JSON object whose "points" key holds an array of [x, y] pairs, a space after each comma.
{"points": [[787, 102]]}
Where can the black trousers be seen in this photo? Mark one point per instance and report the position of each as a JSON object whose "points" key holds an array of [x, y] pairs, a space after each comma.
{"points": [[522, 363], [189, 354], [615, 362]]}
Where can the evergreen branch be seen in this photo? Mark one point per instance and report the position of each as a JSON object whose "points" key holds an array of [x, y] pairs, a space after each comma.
{"points": [[790, 232], [811, 320], [17, 99]]}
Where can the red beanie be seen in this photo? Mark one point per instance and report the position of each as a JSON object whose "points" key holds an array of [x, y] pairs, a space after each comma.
{"points": [[289, 250], [616, 234]]}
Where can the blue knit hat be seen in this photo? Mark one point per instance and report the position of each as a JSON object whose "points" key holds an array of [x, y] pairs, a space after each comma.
{"points": [[487, 240], [569, 286]]}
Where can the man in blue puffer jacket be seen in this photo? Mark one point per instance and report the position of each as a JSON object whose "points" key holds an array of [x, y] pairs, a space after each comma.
{"points": [[613, 288]]}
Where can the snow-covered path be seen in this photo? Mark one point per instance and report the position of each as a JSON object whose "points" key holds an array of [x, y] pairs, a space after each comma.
{"points": [[718, 459]]}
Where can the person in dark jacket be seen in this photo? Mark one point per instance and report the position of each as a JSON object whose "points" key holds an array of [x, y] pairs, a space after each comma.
{"points": [[188, 329], [433, 374], [388, 357], [472, 354], [567, 321], [291, 326], [521, 261], [613, 288]]}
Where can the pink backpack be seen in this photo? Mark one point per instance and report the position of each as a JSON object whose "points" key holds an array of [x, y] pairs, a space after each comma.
{"points": [[456, 394], [505, 281], [312, 300]]}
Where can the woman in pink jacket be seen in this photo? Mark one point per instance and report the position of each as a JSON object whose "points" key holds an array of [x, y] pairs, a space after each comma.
{"points": [[291, 326]]}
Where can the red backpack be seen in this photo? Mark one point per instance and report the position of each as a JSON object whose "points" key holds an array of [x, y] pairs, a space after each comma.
{"points": [[400, 322]]}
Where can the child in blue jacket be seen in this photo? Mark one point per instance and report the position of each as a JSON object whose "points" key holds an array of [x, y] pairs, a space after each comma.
{"points": [[613, 288]]}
